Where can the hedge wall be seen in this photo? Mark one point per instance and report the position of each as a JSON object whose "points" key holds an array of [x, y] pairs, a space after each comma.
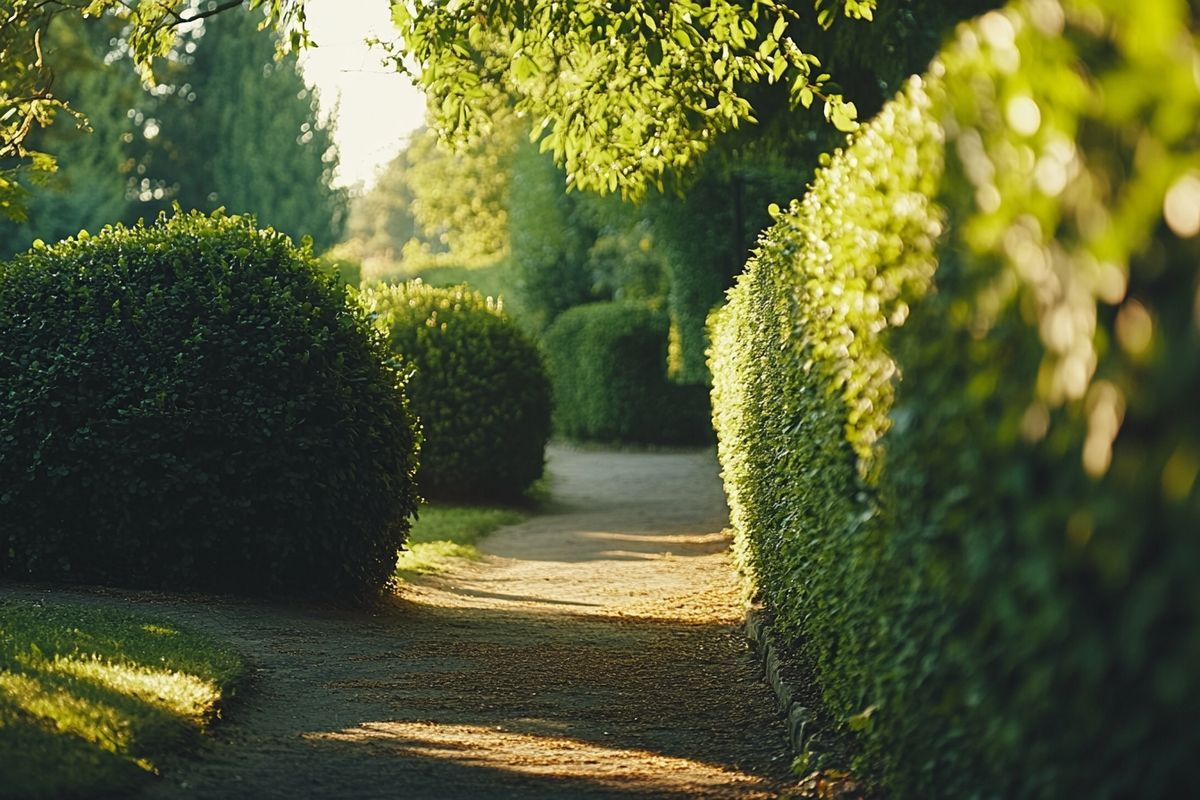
{"points": [[955, 401], [608, 365]]}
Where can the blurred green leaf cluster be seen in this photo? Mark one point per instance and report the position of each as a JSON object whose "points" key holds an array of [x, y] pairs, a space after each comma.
{"points": [[28, 99], [955, 400], [194, 404], [620, 93]]}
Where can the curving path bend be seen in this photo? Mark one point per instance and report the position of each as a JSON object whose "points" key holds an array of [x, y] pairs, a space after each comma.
{"points": [[595, 653]]}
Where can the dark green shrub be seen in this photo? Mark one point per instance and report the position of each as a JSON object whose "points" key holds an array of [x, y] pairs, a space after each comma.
{"points": [[608, 362], [192, 404], [627, 267], [479, 389], [992, 561]]}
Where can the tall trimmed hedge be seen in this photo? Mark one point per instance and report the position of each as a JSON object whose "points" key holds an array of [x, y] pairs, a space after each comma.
{"points": [[479, 388], [194, 404], [608, 363], [955, 400]]}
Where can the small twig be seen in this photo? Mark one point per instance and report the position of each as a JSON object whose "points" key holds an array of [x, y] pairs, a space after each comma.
{"points": [[211, 12]]}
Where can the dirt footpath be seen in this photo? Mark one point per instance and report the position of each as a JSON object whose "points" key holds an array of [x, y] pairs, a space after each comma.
{"points": [[596, 653]]}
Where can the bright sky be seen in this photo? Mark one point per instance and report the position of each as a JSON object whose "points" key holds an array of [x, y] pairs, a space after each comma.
{"points": [[376, 107]]}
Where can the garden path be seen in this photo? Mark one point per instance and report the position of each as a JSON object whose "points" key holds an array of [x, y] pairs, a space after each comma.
{"points": [[595, 653]]}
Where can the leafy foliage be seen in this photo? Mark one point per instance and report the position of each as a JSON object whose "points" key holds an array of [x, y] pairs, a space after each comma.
{"points": [[193, 404], [94, 166], [550, 238], [608, 362], [27, 99], [459, 196], [227, 126], [478, 387], [433, 207], [623, 93], [988, 557]]}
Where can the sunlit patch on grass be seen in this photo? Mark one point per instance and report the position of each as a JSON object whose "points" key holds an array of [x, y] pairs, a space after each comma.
{"points": [[177, 692], [161, 630], [442, 534], [433, 557], [90, 700]]}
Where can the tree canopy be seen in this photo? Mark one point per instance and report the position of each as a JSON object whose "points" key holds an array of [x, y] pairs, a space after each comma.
{"points": [[620, 93]]}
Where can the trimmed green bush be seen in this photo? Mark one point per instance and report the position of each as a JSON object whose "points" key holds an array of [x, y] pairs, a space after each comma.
{"points": [[479, 388], [955, 400], [193, 404], [608, 362]]}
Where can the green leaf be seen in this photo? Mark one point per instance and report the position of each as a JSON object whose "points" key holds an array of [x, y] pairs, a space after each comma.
{"points": [[862, 720]]}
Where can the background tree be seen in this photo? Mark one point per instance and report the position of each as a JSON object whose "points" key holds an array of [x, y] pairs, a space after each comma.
{"points": [[227, 125], [90, 187], [380, 221], [240, 129]]}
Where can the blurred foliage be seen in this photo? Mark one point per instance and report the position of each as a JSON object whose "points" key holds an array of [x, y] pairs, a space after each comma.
{"points": [[346, 270], [432, 207], [968, 359], [193, 404], [550, 238], [96, 164], [241, 130], [92, 701], [28, 99], [380, 222], [478, 387], [493, 280], [608, 362], [228, 126], [459, 195]]}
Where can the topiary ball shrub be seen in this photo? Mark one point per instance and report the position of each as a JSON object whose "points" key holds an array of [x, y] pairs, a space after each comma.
{"points": [[478, 387], [193, 404], [608, 362]]}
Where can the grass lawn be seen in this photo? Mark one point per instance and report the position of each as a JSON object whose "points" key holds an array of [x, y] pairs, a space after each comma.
{"points": [[443, 533], [91, 699]]}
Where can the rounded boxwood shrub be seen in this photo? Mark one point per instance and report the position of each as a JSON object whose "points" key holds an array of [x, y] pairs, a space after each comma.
{"points": [[608, 362], [193, 404], [478, 387]]}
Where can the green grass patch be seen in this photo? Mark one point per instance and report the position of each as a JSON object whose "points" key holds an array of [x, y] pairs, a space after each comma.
{"points": [[444, 533], [91, 699]]}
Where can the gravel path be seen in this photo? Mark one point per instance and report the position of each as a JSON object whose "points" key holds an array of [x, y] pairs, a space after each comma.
{"points": [[596, 653]]}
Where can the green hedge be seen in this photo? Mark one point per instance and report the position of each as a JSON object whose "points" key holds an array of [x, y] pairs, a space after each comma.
{"points": [[608, 362], [193, 404], [992, 561], [479, 388]]}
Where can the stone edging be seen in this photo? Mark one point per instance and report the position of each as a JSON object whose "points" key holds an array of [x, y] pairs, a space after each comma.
{"points": [[797, 717]]}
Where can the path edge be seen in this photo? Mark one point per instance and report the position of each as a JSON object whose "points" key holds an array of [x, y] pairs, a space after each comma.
{"points": [[798, 720]]}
